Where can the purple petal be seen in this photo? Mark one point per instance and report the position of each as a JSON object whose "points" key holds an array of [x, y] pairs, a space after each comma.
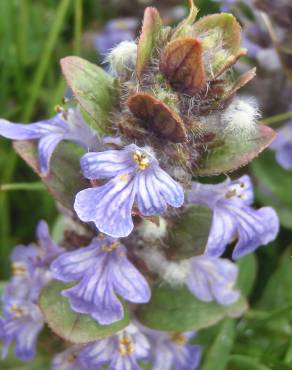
{"points": [[198, 282], [42, 232], [128, 282], [47, 144], [206, 194], [156, 189], [222, 231], [69, 360], [18, 131], [108, 206], [124, 363], [24, 254], [162, 357], [95, 296], [72, 266], [255, 228], [105, 165], [284, 156], [98, 353], [189, 358], [213, 279], [23, 330]]}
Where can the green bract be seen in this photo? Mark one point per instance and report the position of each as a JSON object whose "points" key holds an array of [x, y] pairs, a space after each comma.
{"points": [[69, 325]]}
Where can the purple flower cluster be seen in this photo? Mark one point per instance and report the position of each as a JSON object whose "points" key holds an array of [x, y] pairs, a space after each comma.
{"points": [[131, 185], [127, 348], [23, 319], [102, 271]]}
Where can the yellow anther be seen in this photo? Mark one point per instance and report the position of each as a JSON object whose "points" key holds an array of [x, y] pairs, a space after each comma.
{"points": [[58, 108], [101, 236], [179, 339], [141, 159], [231, 193], [126, 346], [71, 358], [18, 269], [110, 247], [17, 311]]}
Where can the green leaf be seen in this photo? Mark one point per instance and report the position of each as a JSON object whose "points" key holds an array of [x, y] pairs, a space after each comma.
{"points": [[270, 191], [246, 363], [265, 197], [173, 309], [229, 155], [92, 87], [11, 363], [217, 355], [220, 29], [64, 179], [247, 273], [189, 235], [185, 27], [268, 171], [69, 325], [278, 292], [152, 25]]}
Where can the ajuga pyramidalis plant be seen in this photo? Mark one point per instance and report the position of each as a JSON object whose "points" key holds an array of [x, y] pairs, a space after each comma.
{"points": [[139, 267]]}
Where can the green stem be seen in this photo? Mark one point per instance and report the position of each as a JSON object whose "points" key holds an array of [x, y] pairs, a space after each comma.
{"points": [[78, 26], [31, 186], [278, 118], [247, 363], [288, 355], [263, 316], [45, 58]]}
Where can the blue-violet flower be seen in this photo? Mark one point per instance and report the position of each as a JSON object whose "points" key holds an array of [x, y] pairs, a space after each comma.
{"points": [[22, 323], [120, 352], [103, 271], [234, 218], [64, 126], [212, 278], [135, 175], [172, 350]]}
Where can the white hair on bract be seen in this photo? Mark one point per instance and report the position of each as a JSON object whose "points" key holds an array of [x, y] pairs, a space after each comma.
{"points": [[151, 231], [173, 273], [240, 118], [122, 58]]}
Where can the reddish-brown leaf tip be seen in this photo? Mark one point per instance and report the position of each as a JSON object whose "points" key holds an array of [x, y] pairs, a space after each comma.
{"points": [[181, 63], [158, 117]]}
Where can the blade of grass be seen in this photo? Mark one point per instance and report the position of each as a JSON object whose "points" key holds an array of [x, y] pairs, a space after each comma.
{"points": [[218, 353], [45, 58], [78, 25], [31, 186], [28, 111], [246, 362]]}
